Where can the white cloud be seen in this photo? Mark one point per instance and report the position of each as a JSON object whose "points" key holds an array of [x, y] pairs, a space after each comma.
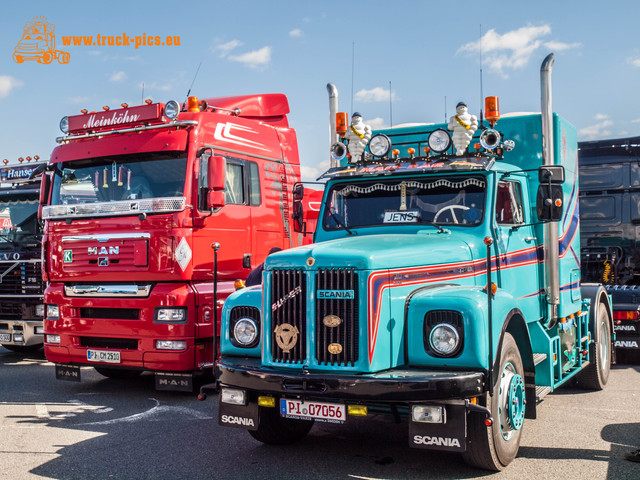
{"points": [[309, 174], [376, 123], [7, 84], [513, 49], [635, 61], [296, 32], [254, 59], [598, 130], [601, 116], [223, 49], [637, 120], [623, 133], [377, 94], [117, 76], [560, 46]]}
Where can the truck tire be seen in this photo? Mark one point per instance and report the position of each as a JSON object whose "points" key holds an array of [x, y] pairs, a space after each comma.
{"points": [[23, 348], [117, 373], [276, 430], [495, 447], [596, 375]]}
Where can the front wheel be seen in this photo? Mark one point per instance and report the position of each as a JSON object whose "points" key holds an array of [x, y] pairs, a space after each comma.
{"points": [[276, 430], [596, 375], [494, 447]]}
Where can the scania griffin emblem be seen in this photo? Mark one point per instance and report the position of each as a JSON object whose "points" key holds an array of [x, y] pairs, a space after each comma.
{"points": [[331, 321], [286, 336]]}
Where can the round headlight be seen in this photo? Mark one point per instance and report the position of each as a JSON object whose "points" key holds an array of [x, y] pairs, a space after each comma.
{"points": [[245, 331], [171, 109], [439, 140], [379, 145], [444, 339], [64, 124]]}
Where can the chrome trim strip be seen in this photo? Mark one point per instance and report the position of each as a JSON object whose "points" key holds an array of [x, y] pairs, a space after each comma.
{"points": [[254, 155], [115, 208], [142, 128], [19, 296], [105, 237], [107, 290], [32, 260]]}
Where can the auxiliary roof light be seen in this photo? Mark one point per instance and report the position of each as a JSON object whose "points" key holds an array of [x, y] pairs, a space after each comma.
{"points": [[36, 158], [64, 124], [411, 152], [379, 145], [84, 111], [439, 140], [342, 122], [491, 109], [148, 101], [5, 161], [192, 105], [203, 105], [426, 150], [21, 159], [124, 105], [171, 109], [106, 108], [28, 159]]}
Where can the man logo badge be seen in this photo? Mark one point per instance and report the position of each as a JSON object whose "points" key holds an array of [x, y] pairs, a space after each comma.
{"points": [[286, 336], [103, 261]]}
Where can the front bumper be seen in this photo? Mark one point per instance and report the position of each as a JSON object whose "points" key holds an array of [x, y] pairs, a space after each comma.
{"points": [[397, 385], [22, 332]]}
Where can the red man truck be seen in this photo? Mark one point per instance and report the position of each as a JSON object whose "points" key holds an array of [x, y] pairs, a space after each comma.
{"points": [[141, 203]]}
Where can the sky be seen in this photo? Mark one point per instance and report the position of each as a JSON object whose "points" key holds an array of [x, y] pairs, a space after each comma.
{"points": [[424, 55]]}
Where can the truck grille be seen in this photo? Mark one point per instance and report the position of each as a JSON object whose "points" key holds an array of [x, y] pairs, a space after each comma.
{"points": [[110, 313], [288, 316], [11, 311], [337, 317], [102, 342], [21, 278]]}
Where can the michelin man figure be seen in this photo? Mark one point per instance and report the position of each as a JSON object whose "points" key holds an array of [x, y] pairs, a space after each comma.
{"points": [[464, 126], [358, 135]]}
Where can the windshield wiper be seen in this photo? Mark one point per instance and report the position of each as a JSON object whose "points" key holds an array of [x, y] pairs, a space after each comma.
{"points": [[340, 222], [431, 222]]}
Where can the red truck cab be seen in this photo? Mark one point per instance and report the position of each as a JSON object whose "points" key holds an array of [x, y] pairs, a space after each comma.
{"points": [[135, 199]]}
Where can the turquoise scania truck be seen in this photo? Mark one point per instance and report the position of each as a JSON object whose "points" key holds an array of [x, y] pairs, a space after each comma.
{"points": [[441, 289]]}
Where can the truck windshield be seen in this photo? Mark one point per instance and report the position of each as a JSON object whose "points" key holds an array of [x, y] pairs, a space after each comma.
{"points": [[421, 200], [18, 217], [132, 177]]}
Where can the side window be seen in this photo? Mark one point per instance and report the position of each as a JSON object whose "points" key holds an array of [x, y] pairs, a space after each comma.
{"points": [[254, 184], [509, 203], [234, 184]]}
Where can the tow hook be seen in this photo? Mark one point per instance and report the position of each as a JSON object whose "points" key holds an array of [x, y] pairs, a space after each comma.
{"points": [[209, 386], [480, 409]]}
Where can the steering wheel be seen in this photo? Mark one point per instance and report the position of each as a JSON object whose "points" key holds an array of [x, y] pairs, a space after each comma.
{"points": [[453, 215]]}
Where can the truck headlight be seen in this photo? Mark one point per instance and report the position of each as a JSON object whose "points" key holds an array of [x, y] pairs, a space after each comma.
{"points": [[379, 145], [52, 338], [439, 140], [53, 311], [171, 345], [39, 310], [64, 125], [245, 331], [444, 339], [171, 315], [171, 110]]}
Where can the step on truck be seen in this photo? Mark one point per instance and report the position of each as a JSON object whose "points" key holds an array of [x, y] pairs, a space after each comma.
{"points": [[151, 212], [21, 285], [442, 289], [610, 232]]}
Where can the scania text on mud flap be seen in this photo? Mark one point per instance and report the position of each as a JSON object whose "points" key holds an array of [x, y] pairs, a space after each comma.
{"points": [[609, 210], [21, 285], [456, 319], [138, 197]]}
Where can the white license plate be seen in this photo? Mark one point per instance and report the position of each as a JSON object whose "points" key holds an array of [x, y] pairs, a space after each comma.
{"points": [[324, 412], [5, 337], [103, 356]]}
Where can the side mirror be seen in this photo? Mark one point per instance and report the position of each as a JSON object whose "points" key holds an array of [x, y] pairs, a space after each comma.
{"points": [[216, 171], [298, 210], [549, 203], [551, 174], [45, 187]]}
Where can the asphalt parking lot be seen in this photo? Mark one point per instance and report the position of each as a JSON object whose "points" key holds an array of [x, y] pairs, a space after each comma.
{"points": [[103, 429]]}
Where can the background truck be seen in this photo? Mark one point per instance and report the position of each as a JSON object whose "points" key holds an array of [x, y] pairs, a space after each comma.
{"points": [[610, 232], [21, 286], [151, 211], [442, 290]]}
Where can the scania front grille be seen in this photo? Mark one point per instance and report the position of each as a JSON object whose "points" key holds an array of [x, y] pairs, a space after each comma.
{"points": [[21, 278], [337, 317], [288, 316]]}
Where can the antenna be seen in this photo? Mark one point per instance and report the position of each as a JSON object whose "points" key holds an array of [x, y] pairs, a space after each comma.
{"points": [[390, 105], [194, 80], [353, 62], [142, 99], [481, 88]]}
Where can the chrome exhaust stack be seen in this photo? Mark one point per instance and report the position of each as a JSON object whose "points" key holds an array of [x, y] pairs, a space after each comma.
{"points": [[333, 109], [551, 249]]}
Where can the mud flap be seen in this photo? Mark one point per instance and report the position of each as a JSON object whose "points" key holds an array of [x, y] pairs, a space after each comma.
{"points": [[239, 416], [450, 436], [70, 373], [181, 382]]}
